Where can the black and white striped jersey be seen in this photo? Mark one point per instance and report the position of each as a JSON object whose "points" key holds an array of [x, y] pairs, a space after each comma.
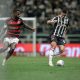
{"points": [[60, 25]]}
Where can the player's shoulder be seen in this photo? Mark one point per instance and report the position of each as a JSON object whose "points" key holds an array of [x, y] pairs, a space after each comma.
{"points": [[8, 19], [20, 19], [55, 18]]}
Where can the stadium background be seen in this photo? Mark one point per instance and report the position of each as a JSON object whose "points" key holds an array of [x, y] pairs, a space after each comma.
{"points": [[36, 68], [43, 10]]}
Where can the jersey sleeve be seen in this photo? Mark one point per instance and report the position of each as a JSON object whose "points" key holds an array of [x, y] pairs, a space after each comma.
{"points": [[54, 18]]}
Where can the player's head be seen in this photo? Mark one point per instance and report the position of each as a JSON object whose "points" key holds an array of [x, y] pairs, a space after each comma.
{"points": [[63, 12], [16, 13]]}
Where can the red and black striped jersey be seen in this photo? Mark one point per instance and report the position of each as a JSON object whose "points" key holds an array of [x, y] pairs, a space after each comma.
{"points": [[14, 27]]}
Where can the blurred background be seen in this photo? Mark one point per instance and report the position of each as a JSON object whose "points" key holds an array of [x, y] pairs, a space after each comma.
{"points": [[43, 10], [36, 13]]}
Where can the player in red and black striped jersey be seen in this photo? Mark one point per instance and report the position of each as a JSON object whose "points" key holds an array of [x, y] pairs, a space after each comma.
{"points": [[13, 26], [57, 36]]}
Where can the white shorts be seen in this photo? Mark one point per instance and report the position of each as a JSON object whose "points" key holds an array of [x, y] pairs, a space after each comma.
{"points": [[11, 40]]}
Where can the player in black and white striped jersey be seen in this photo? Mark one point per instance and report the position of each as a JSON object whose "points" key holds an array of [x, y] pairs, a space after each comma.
{"points": [[57, 36]]}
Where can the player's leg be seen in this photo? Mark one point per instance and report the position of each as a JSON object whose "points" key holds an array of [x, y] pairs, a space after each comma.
{"points": [[12, 42], [12, 47], [9, 52], [5, 47], [62, 50], [61, 43], [51, 53], [5, 44]]}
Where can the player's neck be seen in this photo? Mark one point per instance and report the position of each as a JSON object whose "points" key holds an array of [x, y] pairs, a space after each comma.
{"points": [[61, 15]]}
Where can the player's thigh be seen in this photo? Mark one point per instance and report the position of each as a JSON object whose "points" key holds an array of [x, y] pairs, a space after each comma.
{"points": [[53, 44], [53, 41], [61, 48]]}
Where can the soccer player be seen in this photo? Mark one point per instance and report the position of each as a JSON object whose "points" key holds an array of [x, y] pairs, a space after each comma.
{"points": [[13, 26], [57, 36]]}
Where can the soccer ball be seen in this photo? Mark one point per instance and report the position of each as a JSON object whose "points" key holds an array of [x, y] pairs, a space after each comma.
{"points": [[60, 63]]}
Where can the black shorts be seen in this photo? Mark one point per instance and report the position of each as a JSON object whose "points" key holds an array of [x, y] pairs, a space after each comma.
{"points": [[58, 40]]}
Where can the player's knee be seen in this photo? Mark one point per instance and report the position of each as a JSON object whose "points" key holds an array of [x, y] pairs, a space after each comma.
{"points": [[62, 49]]}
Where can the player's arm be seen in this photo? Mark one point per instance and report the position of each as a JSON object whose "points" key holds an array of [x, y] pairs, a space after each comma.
{"points": [[53, 20], [27, 26]]}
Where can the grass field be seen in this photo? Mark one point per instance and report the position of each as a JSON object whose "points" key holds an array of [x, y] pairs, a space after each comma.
{"points": [[36, 68]]}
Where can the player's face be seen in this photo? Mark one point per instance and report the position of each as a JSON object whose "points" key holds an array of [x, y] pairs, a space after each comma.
{"points": [[63, 14], [17, 14]]}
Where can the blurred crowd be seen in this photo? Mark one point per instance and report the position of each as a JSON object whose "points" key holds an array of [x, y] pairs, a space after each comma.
{"points": [[46, 9]]}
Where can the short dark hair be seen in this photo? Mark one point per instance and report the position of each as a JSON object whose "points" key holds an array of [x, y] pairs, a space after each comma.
{"points": [[15, 10], [64, 11]]}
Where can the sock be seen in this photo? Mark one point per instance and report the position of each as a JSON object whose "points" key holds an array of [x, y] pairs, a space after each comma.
{"points": [[51, 53], [50, 58], [3, 63]]}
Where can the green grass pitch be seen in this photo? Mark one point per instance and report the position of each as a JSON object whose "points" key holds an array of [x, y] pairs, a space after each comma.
{"points": [[36, 68]]}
